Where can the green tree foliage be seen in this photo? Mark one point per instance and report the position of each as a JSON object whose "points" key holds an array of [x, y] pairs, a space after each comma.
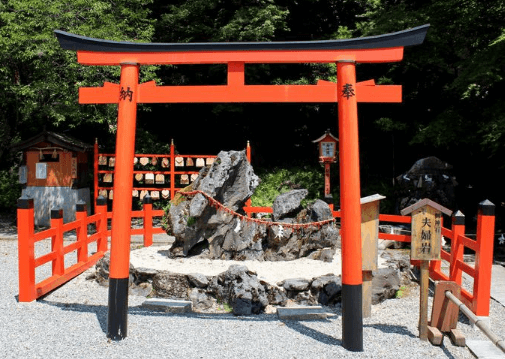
{"points": [[40, 81], [454, 81]]}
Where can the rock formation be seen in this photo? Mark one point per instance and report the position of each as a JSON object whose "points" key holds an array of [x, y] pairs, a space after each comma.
{"points": [[198, 226], [428, 178]]}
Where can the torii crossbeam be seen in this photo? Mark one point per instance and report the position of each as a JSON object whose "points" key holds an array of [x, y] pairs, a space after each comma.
{"points": [[345, 53]]}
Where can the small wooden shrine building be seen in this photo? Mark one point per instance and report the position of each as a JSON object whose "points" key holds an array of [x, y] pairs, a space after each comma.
{"points": [[55, 173]]}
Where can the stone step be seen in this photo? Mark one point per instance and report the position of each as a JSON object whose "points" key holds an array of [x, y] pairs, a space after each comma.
{"points": [[168, 305], [301, 313], [484, 349]]}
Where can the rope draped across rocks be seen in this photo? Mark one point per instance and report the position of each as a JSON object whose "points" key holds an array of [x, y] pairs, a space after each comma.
{"points": [[219, 206]]}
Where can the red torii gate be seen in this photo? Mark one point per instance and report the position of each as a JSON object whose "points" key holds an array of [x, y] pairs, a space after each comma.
{"points": [[345, 53]]}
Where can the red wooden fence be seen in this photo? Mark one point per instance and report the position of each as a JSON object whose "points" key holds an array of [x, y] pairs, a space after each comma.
{"points": [[29, 290]]}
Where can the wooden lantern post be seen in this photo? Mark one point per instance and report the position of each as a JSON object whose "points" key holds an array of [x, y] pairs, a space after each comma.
{"points": [[327, 155], [425, 246]]}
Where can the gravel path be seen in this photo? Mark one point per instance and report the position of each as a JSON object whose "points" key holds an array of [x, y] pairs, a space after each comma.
{"points": [[71, 322]]}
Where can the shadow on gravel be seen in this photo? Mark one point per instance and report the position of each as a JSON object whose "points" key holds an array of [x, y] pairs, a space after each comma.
{"points": [[391, 329], [101, 312], [312, 333]]}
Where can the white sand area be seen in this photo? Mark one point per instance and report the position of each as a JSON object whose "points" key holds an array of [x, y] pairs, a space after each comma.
{"points": [[271, 272]]}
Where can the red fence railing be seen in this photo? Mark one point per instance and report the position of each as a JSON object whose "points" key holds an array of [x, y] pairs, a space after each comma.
{"points": [[29, 288], [477, 300]]}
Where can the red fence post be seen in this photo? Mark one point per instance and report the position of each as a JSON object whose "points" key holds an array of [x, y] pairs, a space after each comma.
{"points": [[81, 214], [172, 170], [101, 225], [248, 203], [457, 247], [148, 220], [26, 250], [483, 258], [57, 242], [95, 173]]}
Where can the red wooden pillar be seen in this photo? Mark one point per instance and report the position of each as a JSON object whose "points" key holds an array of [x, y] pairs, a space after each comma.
{"points": [[95, 172], [352, 308], [327, 188], [26, 250], [122, 203], [81, 214], [148, 220], [57, 242], [101, 208], [172, 170], [457, 247], [483, 258]]}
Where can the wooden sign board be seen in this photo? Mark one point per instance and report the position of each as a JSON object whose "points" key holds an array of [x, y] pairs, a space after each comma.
{"points": [[23, 174], [73, 170], [369, 247], [370, 231], [426, 229], [426, 234], [149, 178]]}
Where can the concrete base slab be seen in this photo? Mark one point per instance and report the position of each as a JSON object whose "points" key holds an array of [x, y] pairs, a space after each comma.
{"points": [[301, 313], [498, 283], [168, 305], [484, 349]]}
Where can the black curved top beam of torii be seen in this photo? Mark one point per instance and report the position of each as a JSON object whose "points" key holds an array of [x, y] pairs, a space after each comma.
{"points": [[373, 49], [410, 37]]}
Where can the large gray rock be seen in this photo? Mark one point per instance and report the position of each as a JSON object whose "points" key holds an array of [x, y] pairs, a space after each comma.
{"points": [[288, 203], [430, 178], [202, 229], [312, 242], [242, 289], [231, 181], [385, 284]]}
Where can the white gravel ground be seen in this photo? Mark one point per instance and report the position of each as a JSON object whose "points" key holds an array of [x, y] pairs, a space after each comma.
{"points": [[71, 322]]}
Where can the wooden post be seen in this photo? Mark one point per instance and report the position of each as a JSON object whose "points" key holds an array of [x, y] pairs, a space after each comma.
{"points": [[457, 247], [26, 250], [369, 246], [172, 170], [101, 208], [148, 220], [57, 242], [425, 246], [95, 172], [352, 307], [81, 214], [483, 258], [122, 203]]}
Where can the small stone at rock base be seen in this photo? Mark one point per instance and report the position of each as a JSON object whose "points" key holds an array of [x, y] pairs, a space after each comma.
{"points": [[198, 279], [295, 284], [301, 313], [168, 306], [141, 290]]}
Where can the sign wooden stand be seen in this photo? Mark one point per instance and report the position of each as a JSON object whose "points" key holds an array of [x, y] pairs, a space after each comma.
{"points": [[425, 246]]}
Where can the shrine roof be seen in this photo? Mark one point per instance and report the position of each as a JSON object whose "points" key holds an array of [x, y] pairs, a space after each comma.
{"points": [[59, 139], [425, 202], [409, 37]]}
